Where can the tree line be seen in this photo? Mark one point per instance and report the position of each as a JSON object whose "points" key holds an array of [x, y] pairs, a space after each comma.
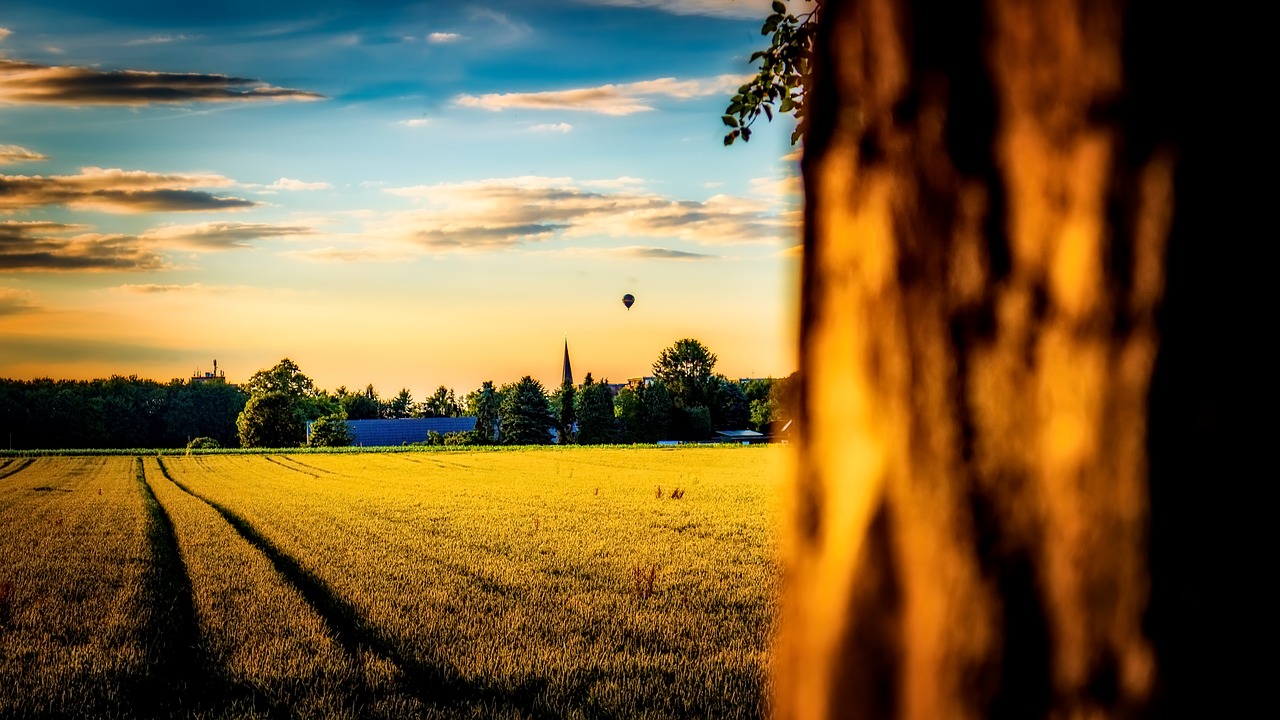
{"points": [[119, 412], [683, 400]]}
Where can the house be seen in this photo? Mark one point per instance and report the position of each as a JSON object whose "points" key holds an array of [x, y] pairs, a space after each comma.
{"points": [[401, 431], [746, 437]]}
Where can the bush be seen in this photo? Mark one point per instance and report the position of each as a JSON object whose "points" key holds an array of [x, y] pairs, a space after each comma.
{"points": [[459, 438], [203, 443], [330, 431]]}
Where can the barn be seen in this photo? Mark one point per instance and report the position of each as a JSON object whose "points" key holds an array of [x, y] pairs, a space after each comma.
{"points": [[401, 431]]}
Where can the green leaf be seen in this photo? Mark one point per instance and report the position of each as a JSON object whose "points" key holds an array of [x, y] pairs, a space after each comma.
{"points": [[730, 120], [778, 7], [768, 113]]}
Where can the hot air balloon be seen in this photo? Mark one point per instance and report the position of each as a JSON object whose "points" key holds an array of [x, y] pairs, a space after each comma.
{"points": [[628, 299]]}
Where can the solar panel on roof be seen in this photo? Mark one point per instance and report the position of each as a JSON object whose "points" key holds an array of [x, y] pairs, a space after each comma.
{"points": [[375, 433]]}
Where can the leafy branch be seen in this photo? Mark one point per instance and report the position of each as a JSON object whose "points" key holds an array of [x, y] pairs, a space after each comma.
{"points": [[783, 75]]}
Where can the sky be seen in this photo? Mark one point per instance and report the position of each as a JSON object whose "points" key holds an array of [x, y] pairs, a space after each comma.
{"points": [[403, 194]]}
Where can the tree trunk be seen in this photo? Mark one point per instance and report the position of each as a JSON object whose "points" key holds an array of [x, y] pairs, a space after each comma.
{"points": [[990, 202]]}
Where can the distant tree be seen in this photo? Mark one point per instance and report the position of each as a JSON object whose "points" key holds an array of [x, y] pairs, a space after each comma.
{"points": [[203, 443], [285, 396], [696, 423], [401, 406], [330, 431], [656, 410], [285, 378], [201, 410], [594, 408], [562, 408], [783, 397], [271, 420], [731, 410], [485, 404], [644, 412], [686, 369], [626, 413], [359, 405], [525, 415], [443, 403]]}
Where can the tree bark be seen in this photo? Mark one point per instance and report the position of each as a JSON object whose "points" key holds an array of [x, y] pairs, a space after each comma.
{"points": [[990, 202]]}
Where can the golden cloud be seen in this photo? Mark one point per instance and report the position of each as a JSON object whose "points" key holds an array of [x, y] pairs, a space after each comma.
{"points": [[220, 235], [502, 213], [10, 154], [119, 191], [32, 83], [51, 246], [623, 99]]}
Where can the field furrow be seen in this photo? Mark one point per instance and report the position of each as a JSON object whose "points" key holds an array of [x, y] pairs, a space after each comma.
{"points": [[546, 582], [268, 649], [78, 634]]}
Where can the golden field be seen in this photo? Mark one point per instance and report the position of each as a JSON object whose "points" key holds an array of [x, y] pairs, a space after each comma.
{"points": [[557, 582]]}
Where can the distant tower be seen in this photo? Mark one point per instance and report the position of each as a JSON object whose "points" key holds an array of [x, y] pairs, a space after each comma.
{"points": [[567, 376]]}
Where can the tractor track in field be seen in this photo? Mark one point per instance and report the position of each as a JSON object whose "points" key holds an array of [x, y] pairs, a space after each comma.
{"points": [[13, 467], [184, 670], [431, 685], [287, 466]]}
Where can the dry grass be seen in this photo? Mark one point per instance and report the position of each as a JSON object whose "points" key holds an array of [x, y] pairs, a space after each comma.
{"points": [[76, 641], [403, 584]]}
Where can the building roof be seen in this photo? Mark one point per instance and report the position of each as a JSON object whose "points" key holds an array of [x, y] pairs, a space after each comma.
{"points": [[374, 433], [740, 434]]}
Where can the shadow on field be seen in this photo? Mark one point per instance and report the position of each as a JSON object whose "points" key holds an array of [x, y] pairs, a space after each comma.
{"points": [[13, 467], [183, 681], [433, 685]]}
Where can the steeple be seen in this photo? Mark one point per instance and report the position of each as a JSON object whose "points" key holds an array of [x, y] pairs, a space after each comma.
{"points": [[567, 375]]}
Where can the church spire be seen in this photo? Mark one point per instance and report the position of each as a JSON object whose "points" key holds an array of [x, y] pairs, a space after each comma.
{"points": [[567, 375]]}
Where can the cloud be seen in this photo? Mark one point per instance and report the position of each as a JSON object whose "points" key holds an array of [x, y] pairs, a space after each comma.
{"points": [[14, 301], [415, 122], [51, 246], [509, 212], [777, 187], [156, 289], [162, 39], [351, 254], [289, 184], [657, 253], [10, 154], [552, 127], [744, 9], [31, 83], [624, 181], [118, 191], [623, 99], [441, 38], [5, 32], [220, 236], [514, 29]]}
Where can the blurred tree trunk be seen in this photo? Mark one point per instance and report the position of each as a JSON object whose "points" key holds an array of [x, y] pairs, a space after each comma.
{"points": [[995, 271]]}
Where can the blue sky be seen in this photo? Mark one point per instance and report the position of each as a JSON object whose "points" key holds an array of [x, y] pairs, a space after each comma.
{"points": [[404, 194]]}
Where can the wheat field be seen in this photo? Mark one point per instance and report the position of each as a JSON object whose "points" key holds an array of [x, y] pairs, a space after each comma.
{"points": [[556, 582]]}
